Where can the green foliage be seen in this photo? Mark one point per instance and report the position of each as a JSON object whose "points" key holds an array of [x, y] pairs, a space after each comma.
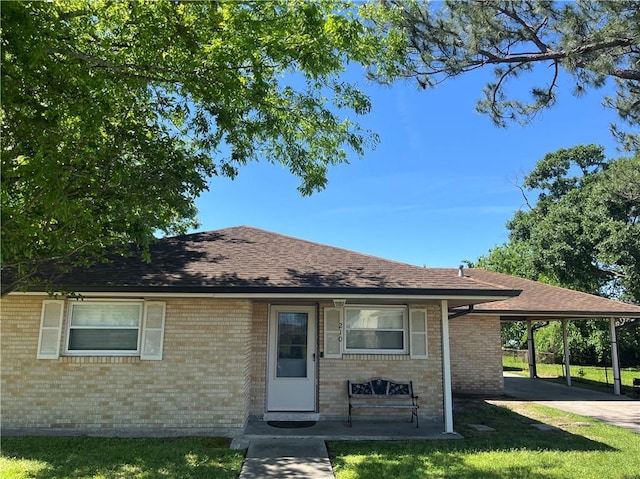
{"points": [[590, 41], [116, 114], [583, 232]]}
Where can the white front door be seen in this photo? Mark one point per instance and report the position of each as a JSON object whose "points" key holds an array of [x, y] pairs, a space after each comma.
{"points": [[292, 352]]}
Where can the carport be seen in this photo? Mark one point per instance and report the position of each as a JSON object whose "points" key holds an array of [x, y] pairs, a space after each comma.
{"points": [[542, 302]]}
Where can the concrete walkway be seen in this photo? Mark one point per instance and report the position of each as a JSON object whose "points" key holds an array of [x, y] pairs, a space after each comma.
{"points": [[301, 453], [287, 458], [617, 410]]}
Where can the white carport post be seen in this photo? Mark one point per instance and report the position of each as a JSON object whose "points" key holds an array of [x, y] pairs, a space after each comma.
{"points": [[531, 351], [565, 344], [614, 356], [446, 368]]}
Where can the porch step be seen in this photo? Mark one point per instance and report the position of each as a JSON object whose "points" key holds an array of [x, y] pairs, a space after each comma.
{"points": [[291, 416]]}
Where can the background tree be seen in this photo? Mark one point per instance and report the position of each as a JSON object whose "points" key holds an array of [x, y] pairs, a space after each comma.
{"points": [[115, 114], [592, 41], [582, 232]]}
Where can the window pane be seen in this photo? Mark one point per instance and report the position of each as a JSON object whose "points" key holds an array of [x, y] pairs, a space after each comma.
{"points": [[360, 339], [103, 339], [374, 318], [292, 345], [106, 315]]}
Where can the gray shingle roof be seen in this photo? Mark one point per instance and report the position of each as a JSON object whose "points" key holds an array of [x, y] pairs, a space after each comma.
{"points": [[543, 300], [249, 260], [246, 259]]}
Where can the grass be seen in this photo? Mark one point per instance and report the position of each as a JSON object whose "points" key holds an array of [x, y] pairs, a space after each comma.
{"points": [[590, 377], [111, 458], [580, 447]]}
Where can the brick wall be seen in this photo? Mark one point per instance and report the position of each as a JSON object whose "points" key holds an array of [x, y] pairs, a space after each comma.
{"points": [[426, 374], [259, 358], [203, 381], [212, 375], [476, 355]]}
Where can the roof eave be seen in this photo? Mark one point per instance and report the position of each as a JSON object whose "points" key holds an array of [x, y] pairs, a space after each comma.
{"points": [[315, 291], [572, 314]]}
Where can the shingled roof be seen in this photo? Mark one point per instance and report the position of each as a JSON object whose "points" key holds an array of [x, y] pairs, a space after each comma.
{"points": [[544, 301], [250, 260]]}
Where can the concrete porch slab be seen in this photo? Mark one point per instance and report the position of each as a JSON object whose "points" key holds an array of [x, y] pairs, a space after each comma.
{"points": [[362, 430]]}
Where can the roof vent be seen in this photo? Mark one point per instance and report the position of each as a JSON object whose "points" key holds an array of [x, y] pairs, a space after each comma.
{"points": [[461, 271]]}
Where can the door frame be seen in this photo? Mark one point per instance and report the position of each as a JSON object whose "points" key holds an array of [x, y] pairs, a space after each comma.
{"points": [[312, 353]]}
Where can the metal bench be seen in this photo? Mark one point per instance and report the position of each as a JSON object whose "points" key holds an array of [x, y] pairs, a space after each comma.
{"points": [[382, 393], [636, 386]]}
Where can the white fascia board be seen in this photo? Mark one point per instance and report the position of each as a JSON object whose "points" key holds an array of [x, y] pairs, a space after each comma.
{"points": [[402, 297]]}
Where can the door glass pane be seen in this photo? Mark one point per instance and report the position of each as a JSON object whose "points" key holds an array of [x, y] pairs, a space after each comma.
{"points": [[292, 345]]}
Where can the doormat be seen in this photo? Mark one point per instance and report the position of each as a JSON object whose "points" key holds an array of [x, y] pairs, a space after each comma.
{"points": [[291, 424]]}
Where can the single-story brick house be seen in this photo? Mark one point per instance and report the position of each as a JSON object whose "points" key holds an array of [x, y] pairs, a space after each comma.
{"points": [[240, 323]]}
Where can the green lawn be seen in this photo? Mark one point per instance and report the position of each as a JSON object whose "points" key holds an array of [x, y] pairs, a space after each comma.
{"points": [[108, 458], [580, 448], [592, 377]]}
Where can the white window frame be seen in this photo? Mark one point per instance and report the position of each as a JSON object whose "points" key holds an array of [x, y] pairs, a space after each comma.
{"points": [[405, 330], [103, 352]]}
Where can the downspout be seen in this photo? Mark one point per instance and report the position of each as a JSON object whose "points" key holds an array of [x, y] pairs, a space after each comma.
{"points": [[531, 346], [457, 314]]}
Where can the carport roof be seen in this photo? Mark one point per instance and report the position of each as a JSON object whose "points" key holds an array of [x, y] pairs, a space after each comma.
{"points": [[544, 301]]}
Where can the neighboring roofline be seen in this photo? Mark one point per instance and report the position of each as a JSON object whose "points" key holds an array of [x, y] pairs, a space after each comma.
{"points": [[514, 315]]}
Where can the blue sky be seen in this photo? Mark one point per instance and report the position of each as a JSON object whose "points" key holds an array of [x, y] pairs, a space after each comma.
{"points": [[437, 190]]}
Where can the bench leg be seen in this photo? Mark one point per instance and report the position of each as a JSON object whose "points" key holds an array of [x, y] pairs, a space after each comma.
{"points": [[414, 412]]}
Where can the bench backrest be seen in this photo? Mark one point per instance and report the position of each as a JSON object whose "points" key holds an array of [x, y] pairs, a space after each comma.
{"points": [[380, 387]]}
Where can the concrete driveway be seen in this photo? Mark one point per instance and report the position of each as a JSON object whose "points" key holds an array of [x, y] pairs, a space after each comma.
{"points": [[617, 410]]}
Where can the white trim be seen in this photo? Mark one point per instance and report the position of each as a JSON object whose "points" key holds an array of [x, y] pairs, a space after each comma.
{"points": [[418, 336], [146, 331], [446, 369], [43, 328], [332, 336], [268, 296], [283, 393]]}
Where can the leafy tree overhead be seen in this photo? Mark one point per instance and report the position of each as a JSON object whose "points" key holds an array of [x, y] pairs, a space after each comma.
{"points": [[592, 41], [582, 232], [115, 114], [583, 229]]}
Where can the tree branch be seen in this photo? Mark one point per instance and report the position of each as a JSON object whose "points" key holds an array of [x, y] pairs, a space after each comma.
{"points": [[529, 29], [555, 55]]}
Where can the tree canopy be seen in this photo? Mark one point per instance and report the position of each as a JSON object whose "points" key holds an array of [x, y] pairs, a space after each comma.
{"points": [[116, 114], [581, 232], [592, 41]]}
